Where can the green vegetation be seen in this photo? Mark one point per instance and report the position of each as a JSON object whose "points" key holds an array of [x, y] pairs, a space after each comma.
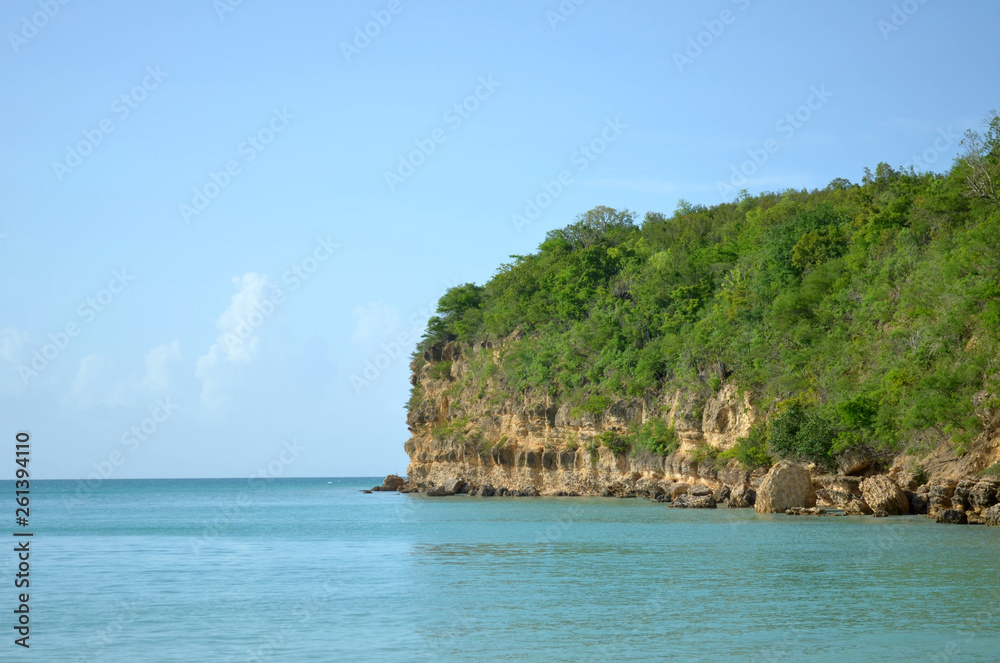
{"points": [[752, 451], [657, 437], [440, 371], [857, 315]]}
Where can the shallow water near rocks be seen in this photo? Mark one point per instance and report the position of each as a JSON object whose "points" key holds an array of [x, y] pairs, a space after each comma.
{"points": [[313, 570]]}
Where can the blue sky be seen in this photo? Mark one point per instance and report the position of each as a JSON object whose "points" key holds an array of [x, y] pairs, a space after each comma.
{"points": [[199, 191]]}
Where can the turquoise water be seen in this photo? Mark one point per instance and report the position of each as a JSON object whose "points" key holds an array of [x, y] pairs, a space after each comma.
{"points": [[313, 570]]}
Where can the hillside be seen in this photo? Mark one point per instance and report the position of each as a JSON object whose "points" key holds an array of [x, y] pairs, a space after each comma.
{"points": [[854, 328]]}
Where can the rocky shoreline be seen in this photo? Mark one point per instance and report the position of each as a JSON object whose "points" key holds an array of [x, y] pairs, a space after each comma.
{"points": [[788, 488], [470, 435]]}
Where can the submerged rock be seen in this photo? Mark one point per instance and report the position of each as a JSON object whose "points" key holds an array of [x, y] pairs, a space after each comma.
{"points": [[802, 511], [690, 501], [786, 486]]}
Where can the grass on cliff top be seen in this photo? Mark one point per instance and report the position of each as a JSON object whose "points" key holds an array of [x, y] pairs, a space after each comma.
{"points": [[858, 315]]}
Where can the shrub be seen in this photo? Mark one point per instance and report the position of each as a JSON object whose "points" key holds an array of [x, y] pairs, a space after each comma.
{"points": [[617, 443], [802, 434], [751, 451], [656, 436], [440, 371]]}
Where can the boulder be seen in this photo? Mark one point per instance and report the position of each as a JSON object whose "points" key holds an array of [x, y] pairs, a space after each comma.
{"points": [[487, 491], [857, 507], [392, 482], [786, 486], [453, 486], [742, 497], [882, 494], [699, 491], [939, 496], [530, 491], [409, 488], [953, 517], [436, 491], [802, 511], [881, 513], [678, 489], [992, 516]]}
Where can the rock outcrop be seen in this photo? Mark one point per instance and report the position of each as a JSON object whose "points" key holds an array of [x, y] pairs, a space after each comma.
{"points": [[786, 486], [991, 517]]}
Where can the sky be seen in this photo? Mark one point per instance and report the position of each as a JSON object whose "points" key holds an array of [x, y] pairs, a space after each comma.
{"points": [[226, 222]]}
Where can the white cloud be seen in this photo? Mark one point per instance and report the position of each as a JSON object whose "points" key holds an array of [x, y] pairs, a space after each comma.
{"points": [[90, 386], [158, 364], [238, 342]]}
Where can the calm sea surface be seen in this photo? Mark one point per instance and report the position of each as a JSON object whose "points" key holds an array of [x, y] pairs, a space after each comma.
{"points": [[313, 570]]}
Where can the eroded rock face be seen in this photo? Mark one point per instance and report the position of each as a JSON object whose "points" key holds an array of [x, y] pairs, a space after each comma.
{"points": [[882, 494], [786, 486], [991, 516]]}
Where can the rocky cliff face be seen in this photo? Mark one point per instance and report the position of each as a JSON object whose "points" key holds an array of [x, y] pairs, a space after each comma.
{"points": [[466, 426]]}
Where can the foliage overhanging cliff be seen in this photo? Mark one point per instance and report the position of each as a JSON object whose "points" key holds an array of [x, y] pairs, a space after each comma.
{"points": [[857, 316]]}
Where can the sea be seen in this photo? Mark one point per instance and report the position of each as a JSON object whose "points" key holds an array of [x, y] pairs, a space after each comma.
{"points": [[315, 570]]}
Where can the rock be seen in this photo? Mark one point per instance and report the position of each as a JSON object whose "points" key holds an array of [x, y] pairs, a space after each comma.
{"points": [[857, 507], [803, 511], [367, 492], [678, 489], [689, 501], [918, 503], [983, 495], [854, 460], [953, 517], [699, 491], [409, 488], [453, 486], [742, 497], [722, 494], [991, 516], [787, 485], [436, 491], [392, 482], [487, 491], [530, 491], [881, 513], [939, 496], [882, 494]]}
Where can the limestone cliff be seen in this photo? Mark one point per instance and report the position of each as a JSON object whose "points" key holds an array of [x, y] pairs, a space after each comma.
{"points": [[466, 425]]}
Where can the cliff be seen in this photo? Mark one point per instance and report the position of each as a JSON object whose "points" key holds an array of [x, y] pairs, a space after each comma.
{"points": [[469, 433]]}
